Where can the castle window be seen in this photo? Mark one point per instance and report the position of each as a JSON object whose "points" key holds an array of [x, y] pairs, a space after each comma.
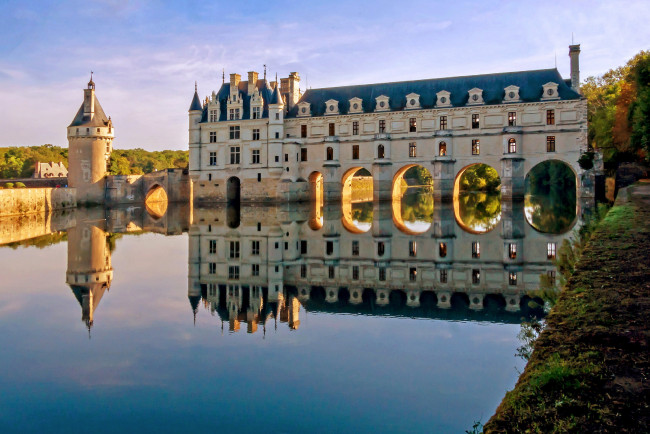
{"points": [[212, 289], [443, 122], [213, 137], [255, 153], [512, 278], [412, 150], [277, 158], [212, 246], [209, 176], [277, 116], [443, 276], [476, 277], [512, 119], [259, 177], [550, 143], [213, 158], [233, 272], [550, 250], [212, 268], [355, 152], [355, 248], [277, 135], [255, 248], [303, 247], [476, 147], [77, 131], [512, 251], [87, 130], [234, 249], [255, 269], [234, 132], [550, 117], [355, 272], [303, 271], [331, 129], [442, 149], [303, 131], [257, 112], [234, 154], [382, 126], [382, 274], [442, 250], [234, 114], [256, 133], [413, 125], [551, 275], [381, 248], [512, 146], [286, 158], [329, 153], [213, 116], [303, 154], [476, 249], [355, 128], [475, 121], [380, 151], [413, 274], [413, 248], [331, 272], [329, 247]]}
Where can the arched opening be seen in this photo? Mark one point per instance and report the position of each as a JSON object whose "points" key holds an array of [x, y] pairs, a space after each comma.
{"points": [[233, 216], [550, 200], [397, 299], [381, 152], [316, 198], [356, 200], [233, 189], [155, 201], [512, 146], [412, 199], [329, 153], [442, 149], [477, 198]]}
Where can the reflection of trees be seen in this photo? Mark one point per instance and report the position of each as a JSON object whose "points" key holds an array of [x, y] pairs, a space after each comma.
{"points": [[551, 197], [418, 206], [479, 211], [480, 177], [362, 212]]}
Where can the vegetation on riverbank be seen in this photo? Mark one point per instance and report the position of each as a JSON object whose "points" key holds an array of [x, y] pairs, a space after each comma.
{"points": [[480, 177], [589, 367]]}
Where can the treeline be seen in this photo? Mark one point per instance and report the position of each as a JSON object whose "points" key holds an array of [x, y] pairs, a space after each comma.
{"points": [[619, 111], [19, 161]]}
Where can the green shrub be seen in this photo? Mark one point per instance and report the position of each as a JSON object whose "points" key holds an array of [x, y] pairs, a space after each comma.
{"points": [[9, 185], [20, 185], [586, 160]]}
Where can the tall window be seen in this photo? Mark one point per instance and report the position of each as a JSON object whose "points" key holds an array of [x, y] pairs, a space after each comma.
{"points": [[303, 131], [413, 248], [212, 268], [475, 121], [512, 278], [329, 247], [412, 149], [443, 276], [476, 249], [550, 250], [476, 277], [234, 132], [303, 271], [303, 247], [303, 154], [213, 137], [329, 153], [213, 158], [380, 151], [382, 126], [355, 128], [476, 147], [331, 272], [442, 250], [255, 269], [213, 115], [256, 133], [212, 246], [257, 112], [233, 272], [234, 155], [212, 289], [512, 119], [442, 149], [332, 129], [550, 143], [234, 114], [413, 125], [381, 248], [382, 274], [550, 117], [413, 274], [443, 122], [355, 248], [355, 272], [512, 146], [355, 152], [255, 156], [255, 248], [234, 249], [277, 116], [512, 251]]}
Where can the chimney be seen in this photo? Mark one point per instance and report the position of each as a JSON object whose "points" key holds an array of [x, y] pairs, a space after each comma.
{"points": [[290, 88], [252, 82], [574, 54], [234, 84]]}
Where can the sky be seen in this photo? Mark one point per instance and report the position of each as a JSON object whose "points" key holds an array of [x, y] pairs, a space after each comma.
{"points": [[146, 55]]}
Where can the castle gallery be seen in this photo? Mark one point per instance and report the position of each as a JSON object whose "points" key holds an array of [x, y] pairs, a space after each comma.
{"points": [[265, 141]]}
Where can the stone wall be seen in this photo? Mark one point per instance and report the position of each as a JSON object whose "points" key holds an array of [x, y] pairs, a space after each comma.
{"points": [[19, 201]]}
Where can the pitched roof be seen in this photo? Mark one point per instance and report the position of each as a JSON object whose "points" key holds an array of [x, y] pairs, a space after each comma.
{"points": [[196, 102], [99, 119], [276, 98], [529, 82], [224, 92]]}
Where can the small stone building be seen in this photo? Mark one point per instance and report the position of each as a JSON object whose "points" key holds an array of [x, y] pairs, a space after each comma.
{"points": [[50, 170]]}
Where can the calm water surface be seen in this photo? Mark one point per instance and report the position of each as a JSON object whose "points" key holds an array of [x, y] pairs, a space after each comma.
{"points": [[131, 323]]}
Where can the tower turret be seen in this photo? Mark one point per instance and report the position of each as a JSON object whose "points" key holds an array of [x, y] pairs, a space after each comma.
{"points": [[195, 114]]}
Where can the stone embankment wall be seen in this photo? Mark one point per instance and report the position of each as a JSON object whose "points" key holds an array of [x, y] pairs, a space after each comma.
{"points": [[18, 228], [19, 201]]}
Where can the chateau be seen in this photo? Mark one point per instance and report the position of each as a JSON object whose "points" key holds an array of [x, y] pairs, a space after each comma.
{"points": [[261, 141]]}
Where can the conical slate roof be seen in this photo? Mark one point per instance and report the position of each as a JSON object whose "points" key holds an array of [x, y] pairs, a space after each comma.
{"points": [[196, 102], [99, 119], [276, 98]]}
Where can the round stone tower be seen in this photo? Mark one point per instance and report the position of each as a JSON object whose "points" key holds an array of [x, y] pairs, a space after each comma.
{"points": [[90, 142]]}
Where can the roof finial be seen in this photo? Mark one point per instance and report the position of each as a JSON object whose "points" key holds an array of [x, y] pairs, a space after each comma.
{"points": [[196, 88], [223, 75], [265, 72]]}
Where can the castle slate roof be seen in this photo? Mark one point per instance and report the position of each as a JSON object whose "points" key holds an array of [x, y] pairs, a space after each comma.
{"points": [[99, 119], [196, 102], [276, 98], [530, 85], [262, 86]]}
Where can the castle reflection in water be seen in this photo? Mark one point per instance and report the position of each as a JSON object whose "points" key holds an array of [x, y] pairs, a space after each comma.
{"points": [[261, 265]]}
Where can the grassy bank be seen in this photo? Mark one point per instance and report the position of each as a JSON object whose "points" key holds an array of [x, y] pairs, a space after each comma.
{"points": [[590, 367]]}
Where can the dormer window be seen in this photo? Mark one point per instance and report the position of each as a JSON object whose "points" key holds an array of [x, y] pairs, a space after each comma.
{"points": [[304, 109], [382, 103], [412, 101], [356, 105], [331, 107], [550, 91], [257, 113], [214, 115], [511, 94], [234, 114], [443, 99], [475, 96]]}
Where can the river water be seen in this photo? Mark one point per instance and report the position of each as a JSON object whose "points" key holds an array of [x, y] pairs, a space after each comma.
{"points": [[384, 317]]}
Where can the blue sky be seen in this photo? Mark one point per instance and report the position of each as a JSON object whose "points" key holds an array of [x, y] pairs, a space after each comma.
{"points": [[147, 54]]}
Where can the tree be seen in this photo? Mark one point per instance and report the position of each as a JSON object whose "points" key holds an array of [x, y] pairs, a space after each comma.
{"points": [[639, 111]]}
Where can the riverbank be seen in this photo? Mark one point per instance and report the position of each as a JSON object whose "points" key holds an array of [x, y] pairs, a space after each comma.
{"points": [[23, 201], [590, 368]]}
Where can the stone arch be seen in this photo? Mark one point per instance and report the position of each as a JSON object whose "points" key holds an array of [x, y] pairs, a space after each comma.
{"points": [[316, 199], [397, 194], [156, 200], [458, 214], [233, 189], [348, 198]]}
